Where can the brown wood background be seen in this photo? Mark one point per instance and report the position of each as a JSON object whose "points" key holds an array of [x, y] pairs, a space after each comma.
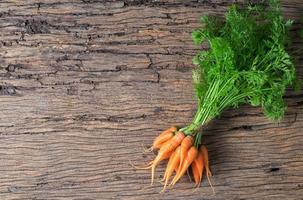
{"points": [[84, 84]]}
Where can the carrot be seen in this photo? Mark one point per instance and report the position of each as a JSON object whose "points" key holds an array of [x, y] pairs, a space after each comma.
{"points": [[172, 129], [165, 151], [169, 163], [186, 143], [173, 143], [172, 164], [165, 143], [161, 139], [195, 172], [199, 164], [204, 152], [190, 157]]}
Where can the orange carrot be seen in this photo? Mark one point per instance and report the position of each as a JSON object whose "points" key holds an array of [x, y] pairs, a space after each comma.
{"points": [[172, 129], [190, 157], [162, 138], [199, 164], [172, 164], [204, 152], [165, 143], [195, 172], [173, 143], [186, 143], [165, 151], [171, 158]]}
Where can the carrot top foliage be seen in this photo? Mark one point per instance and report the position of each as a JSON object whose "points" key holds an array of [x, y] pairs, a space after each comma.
{"points": [[246, 63]]}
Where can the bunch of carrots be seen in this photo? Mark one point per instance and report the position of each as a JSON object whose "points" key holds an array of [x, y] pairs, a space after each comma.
{"points": [[246, 63], [183, 152]]}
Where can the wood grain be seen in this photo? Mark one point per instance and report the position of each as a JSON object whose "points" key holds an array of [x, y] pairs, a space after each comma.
{"points": [[84, 84]]}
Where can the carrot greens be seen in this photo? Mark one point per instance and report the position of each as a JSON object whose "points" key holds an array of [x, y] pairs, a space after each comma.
{"points": [[246, 63]]}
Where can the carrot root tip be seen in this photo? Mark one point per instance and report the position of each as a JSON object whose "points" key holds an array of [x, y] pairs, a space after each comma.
{"points": [[148, 166], [209, 181], [147, 150], [152, 174]]}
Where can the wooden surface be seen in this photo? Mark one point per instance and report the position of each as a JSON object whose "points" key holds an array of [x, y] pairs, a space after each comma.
{"points": [[84, 84]]}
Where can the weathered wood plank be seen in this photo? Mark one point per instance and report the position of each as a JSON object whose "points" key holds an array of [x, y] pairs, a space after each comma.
{"points": [[83, 84]]}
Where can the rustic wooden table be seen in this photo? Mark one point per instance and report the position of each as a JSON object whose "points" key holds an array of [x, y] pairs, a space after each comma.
{"points": [[85, 83]]}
